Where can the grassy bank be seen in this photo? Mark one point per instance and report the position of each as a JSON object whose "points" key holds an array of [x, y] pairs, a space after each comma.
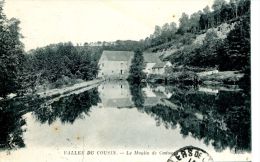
{"points": [[191, 77]]}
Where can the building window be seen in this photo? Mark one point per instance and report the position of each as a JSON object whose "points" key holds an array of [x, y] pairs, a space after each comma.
{"points": [[102, 64], [121, 72]]}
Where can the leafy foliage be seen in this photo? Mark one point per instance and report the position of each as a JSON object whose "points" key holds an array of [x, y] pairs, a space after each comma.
{"points": [[11, 54], [232, 53], [198, 22], [55, 63], [136, 69], [223, 11], [237, 47]]}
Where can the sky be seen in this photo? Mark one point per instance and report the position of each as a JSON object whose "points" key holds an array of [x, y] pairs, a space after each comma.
{"points": [[45, 22]]}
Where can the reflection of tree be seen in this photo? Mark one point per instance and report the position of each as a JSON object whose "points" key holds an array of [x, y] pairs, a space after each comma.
{"points": [[164, 115], [68, 109], [11, 129], [222, 120], [11, 121], [137, 96]]}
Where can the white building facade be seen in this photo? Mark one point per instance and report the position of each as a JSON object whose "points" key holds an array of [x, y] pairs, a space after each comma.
{"points": [[115, 64]]}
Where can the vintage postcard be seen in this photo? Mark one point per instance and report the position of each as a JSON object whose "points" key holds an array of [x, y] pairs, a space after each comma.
{"points": [[125, 81]]}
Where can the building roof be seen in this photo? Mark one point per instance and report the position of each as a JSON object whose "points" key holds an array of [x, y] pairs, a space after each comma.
{"points": [[118, 55], [159, 65], [151, 57]]}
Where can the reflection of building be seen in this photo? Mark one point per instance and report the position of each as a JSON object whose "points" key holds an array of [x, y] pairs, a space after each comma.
{"points": [[163, 90], [154, 95], [115, 64], [115, 94], [153, 64]]}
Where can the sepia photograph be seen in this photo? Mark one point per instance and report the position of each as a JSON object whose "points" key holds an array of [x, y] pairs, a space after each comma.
{"points": [[125, 81]]}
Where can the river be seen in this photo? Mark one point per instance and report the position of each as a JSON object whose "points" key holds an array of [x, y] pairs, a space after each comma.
{"points": [[115, 118]]}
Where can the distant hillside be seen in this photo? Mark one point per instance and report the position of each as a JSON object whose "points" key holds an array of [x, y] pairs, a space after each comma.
{"points": [[169, 48], [218, 38]]}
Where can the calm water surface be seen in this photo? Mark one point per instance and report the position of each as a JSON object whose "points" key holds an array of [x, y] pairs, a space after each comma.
{"points": [[119, 116]]}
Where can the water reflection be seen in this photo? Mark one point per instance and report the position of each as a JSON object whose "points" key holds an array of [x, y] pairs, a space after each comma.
{"points": [[224, 119], [12, 121], [68, 108], [115, 94], [218, 116], [11, 134]]}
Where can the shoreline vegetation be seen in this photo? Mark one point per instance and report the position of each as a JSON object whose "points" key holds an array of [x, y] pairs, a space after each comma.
{"points": [[212, 39], [193, 78]]}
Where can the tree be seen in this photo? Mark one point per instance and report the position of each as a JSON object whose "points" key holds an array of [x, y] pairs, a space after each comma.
{"points": [[11, 54], [156, 36], [173, 27], [243, 7], [209, 49], [204, 21], [234, 6], [225, 13], [194, 21], [205, 18], [157, 31], [136, 69], [238, 46], [166, 32], [206, 10], [217, 6], [184, 23], [61, 64]]}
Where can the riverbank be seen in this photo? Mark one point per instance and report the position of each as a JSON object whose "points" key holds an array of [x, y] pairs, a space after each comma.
{"points": [[214, 77], [69, 89]]}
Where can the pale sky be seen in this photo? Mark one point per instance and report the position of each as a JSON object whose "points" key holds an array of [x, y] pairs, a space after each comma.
{"points": [[51, 21]]}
